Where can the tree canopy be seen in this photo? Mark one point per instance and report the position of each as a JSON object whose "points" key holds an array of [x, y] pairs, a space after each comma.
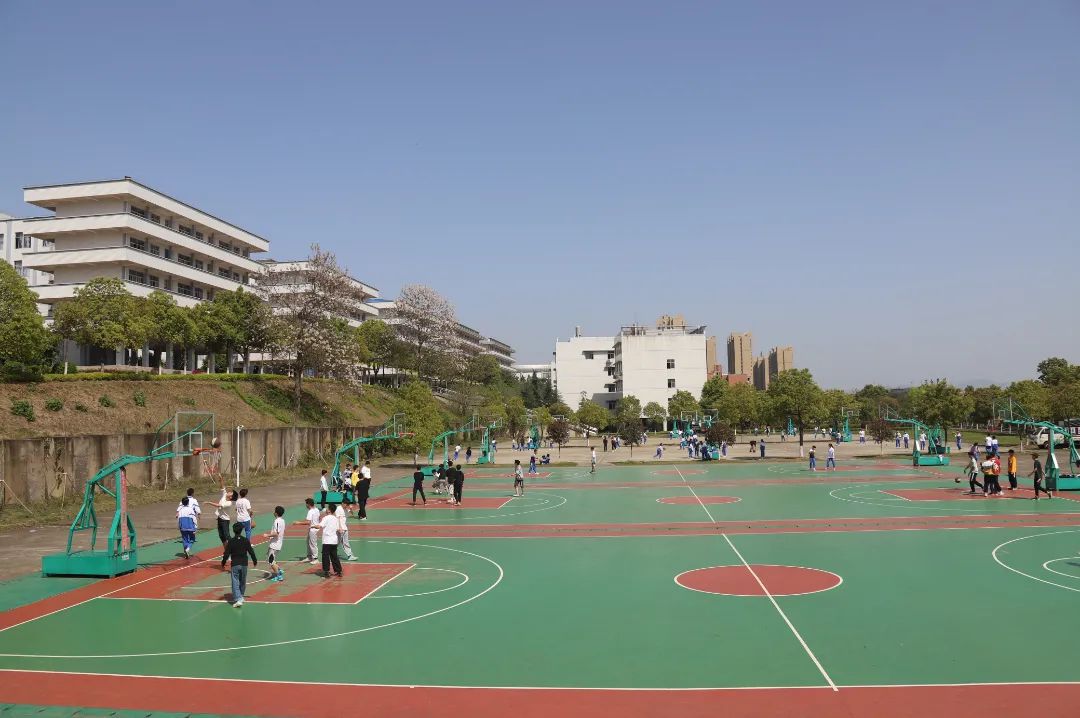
{"points": [[23, 335], [795, 393]]}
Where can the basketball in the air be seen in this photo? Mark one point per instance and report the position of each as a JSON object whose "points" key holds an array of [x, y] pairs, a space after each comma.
{"points": [[216, 443]]}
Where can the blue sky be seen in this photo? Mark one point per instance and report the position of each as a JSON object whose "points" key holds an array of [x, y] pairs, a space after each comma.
{"points": [[892, 188]]}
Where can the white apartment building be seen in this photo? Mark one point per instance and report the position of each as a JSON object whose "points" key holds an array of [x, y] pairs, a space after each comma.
{"points": [[542, 371], [650, 364], [125, 230], [584, 368], [293, 277], [15, 242], [503, 352]]}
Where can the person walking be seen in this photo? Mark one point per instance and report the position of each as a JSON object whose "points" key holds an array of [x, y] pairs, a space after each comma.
{"points": [[185, 517], [237, 550], [418, 485], [243, 513], [468, 455], [813, 458], [973, 471], [1037, 477], [994, 444], [830, 458], [324, 487], [761, 447], [959, 440], [343, 532], [459, 483], [457, 450], [363, 491], [605, 443], [519, 477], [277, 542], [592, 460], [329, 527]]}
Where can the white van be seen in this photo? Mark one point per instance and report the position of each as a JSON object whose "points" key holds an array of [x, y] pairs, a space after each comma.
{"points": [[1042, 437]]}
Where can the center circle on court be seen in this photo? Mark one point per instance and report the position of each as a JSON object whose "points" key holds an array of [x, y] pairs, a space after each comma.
{"points": [[673, 472], [739, 580], [696, 501]]}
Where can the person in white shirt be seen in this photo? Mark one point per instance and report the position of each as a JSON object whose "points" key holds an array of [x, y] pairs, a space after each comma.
{"points": [[221, 513], [185, 517], [324, 486], [312, 522], [329, 526], [862, 436], [343, 532], [593, 460], [519, 478], [277, 542], [830, 459], [243, 513], [994, 444], [989, 445], [457, 450], [194, 504]]}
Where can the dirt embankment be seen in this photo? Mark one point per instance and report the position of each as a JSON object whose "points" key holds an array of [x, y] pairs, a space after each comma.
{"points": [[123, 406]]}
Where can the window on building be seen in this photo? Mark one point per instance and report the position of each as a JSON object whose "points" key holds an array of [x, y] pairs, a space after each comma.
{"points": [[611, 405], [609, 387], [1, 240], [184, 229], [611, 355], [168, 253], [198, 264], [184, 289], [198, 293], [140, 212], [670, 383], [236, 277], [155, 250], [168, 284], [23, 241], [670, 363], [185, 259], [155, 218], [198, 235], [210, 294], [224, 245], [224, 272], [588, 355], [19, 269], [45, 243], [154, 281], [137, 277], [136, 243]]}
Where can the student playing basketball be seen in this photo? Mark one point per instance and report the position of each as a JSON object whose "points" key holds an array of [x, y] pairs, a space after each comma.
{"points": [[277, 542]]}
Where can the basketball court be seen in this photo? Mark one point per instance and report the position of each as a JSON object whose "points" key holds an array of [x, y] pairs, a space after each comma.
{"points": [[742, 588]]}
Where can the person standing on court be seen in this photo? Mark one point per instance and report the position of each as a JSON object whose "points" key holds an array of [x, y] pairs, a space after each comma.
{"points": [[761, 446], [221, 513], [459, 483], [363, 491], [830, 458], [312, 523], [237, 550], [1037, 476], [1012, 470], [323, 487], [813, 458], [329, 526], [185, 517], [468, 455], [243, 513], [418, 485], [605, 442]]}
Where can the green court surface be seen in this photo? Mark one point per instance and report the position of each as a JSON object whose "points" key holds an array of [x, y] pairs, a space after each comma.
{"points": [[746, 588]]}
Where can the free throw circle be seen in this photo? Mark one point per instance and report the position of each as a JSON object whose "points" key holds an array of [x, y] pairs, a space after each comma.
{"points": [[738, 580]]}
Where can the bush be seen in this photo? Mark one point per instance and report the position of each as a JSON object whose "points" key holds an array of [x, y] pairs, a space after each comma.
{"points": [[139, 398], [54, 404], [13, 371], [23, 408], [79, 406], [106, 402]]}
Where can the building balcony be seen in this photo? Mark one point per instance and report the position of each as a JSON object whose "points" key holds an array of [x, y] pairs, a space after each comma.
{"points": [[126, 222], [125, 256], [51, 293]]}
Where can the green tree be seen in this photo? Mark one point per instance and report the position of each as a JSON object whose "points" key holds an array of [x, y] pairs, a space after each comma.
{"points": [[1065, 400], [720, 432], [23, 336], [542, 417], [422, 415], [681, 402], [628, 408], [483, 369], [941, 403], [104, 314], [869, 401], [557, 408], [655, 413], [982, 401], [593, 415], [516, 414], [1055, 370], [1032, 395], [794, 393], [713, 392], [559, 432], [880, 431], [384, 349], [170, 325], [629, 431], [741, 405]]}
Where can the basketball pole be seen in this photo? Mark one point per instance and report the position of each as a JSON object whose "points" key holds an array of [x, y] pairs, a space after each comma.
{"points": [[239, 428]]}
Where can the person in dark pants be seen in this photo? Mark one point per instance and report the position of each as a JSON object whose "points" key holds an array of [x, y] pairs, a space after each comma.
{"points": [[459, 482], [330, 528], [418, 485], [363, 491], [1037, 476], [237, 550]]}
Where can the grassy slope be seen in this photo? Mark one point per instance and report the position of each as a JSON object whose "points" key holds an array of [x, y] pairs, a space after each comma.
{"points": [[253, 403]]}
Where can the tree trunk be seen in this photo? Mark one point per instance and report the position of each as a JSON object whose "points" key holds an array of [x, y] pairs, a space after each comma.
{"points": [[247, 361], [298, 380], [211, 363]]}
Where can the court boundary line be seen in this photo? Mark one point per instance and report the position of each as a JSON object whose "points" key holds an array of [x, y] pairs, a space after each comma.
{"points": [[766, 591], [771, 565], [993, 555]]}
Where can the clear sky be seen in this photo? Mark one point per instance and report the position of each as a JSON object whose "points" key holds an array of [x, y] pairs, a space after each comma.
{"points": [[892, 188]]}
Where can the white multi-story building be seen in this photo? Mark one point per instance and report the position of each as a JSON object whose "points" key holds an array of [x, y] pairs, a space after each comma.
{"points": [[294, 277], [584, 368], [650, 364], [503, 352], [541, 371], [125, 230], [15, 242]]}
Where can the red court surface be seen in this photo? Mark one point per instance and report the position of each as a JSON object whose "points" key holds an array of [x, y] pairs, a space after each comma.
{"points": [[272, 698], [303, 584], [958, 494], [758, 580], [698, 500]]}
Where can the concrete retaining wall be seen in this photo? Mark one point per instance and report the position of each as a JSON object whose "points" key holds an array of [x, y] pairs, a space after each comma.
{"points": [[40, 469]]}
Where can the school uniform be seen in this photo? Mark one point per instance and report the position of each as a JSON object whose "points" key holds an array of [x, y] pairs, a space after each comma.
{"points": [[343, 533], [459, 483], [418, 485], [363, 491], [313, 534], [329, 525], [185, 517], [238, 549]]}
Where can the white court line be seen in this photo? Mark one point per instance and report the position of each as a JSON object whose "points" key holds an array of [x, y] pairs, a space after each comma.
{"points": [[440, 590], [765, 590], [994, 555], [611, 689], [396, 575]]}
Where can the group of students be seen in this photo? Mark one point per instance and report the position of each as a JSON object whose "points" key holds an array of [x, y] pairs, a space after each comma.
{"points": [[990, 468], [189, 511], [449, 479], [353, 482], [328, 528], [830, 458]]}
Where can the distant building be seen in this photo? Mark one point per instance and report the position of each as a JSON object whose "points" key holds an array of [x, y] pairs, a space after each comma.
{"points": [[293, 277], [15, 242], [740, 353], [761, 373], [733, 379], [541, 371], [712, 368], [584, 368], [503, 352], [781, 359]]}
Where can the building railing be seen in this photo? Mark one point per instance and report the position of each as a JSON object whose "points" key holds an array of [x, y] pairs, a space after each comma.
{"points": [[146, 251]]}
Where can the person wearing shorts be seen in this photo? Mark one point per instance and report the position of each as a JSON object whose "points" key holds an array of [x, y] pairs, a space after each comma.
{"points": [[277, 542], [519, 478]]}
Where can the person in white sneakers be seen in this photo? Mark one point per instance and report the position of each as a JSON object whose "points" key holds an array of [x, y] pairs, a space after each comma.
{"points": [[312, 522], [592, 458], [343, 533], [277, 542], [329, 525]]}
